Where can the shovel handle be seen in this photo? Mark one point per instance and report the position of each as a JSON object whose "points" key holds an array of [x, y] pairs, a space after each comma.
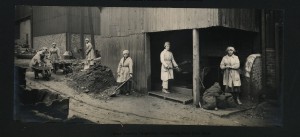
{"points": [[122, 84]]}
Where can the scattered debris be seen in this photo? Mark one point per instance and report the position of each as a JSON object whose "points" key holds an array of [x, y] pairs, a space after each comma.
{"points": [[264, 110], [98, 80]]}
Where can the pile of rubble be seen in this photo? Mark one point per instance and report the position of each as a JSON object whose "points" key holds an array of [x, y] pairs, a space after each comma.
{"points": [[97, 80]]}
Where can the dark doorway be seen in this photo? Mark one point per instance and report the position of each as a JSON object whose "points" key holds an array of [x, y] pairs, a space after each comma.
{"points": [[213, 43], [181, 47]]}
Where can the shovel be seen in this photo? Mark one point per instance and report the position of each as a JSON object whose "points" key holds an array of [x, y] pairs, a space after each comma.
{"points": [[114, 94]]}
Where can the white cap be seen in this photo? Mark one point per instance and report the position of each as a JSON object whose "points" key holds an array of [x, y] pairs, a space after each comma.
{"points": [[126, 51]]}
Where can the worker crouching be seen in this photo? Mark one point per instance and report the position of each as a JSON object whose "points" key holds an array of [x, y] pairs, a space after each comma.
{"points": [[40, 64], [125, 73]]}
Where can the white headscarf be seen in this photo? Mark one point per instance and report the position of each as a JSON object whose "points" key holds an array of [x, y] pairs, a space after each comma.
{"points": [[126, 51], [230, 48]]}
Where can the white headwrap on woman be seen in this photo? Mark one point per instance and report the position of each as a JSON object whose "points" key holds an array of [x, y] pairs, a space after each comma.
{"points": [[166, 43], [230, 48], [126, 51]]}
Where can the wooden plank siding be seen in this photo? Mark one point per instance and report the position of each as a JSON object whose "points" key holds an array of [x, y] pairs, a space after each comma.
{"points": [[122, 21], [111, 51], [22, 11], [244, 19], [75, 20], [48, 20], [117, 21]]}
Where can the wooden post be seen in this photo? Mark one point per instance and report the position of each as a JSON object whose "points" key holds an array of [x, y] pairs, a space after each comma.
{"points": [[81, 33], [277, 70], [68, 43], [147, 61], [263, 48], [31, 27], [196, 68], [91, 27]]}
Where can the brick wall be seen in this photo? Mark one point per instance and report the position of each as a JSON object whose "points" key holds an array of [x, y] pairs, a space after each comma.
{"points": [[270, 68], [47, 40]]}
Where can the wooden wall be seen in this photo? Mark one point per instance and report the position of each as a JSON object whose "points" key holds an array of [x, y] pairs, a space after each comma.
{"points": [[74, 19], [111, 52], [22, 11], [117, 21], [48, 20], [244, 19]]}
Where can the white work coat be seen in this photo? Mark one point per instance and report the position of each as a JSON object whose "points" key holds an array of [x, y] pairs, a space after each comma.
{"points": [[37, 59], [167, 60], [124, 69], [231, 76], [90, 53]]}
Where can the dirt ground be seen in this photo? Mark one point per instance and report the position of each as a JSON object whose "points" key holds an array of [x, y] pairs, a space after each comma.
{"points": [[142, 109]]}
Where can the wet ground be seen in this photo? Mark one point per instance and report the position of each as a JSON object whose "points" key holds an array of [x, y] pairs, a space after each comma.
{"points": [[143, 109]]}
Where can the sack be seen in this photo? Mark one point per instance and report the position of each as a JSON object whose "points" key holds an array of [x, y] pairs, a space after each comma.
{"points": [[221, 101], [225, 101], [209, 102], [230, 102], [209, 97]]}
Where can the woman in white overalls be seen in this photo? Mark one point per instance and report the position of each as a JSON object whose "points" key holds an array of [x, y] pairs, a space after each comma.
{"points": [[231, 78], [168, 63], [125, 72]]}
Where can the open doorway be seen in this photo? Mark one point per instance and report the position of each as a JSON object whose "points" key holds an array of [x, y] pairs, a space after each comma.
{"points": [[182, 48], [213, 43]]}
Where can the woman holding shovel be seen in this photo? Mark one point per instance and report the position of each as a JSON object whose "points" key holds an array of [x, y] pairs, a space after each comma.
{"points": [[125, 72], [90, 55], [231, 78], [168, 64]]}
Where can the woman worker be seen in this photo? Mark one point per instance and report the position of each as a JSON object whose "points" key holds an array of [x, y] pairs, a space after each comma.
{"points": [[90, 54], [231, 78], [125, 72], [38, 60], [168, 64], [54, 56]]}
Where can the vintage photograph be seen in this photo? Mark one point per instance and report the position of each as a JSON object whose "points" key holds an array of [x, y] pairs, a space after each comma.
{"points": [[148, 65]]}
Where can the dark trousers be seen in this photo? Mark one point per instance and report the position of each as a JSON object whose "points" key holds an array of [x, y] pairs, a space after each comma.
{"points": [[127, 87], [235, 91]]}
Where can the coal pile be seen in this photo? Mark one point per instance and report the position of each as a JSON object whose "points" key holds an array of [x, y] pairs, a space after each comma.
{"points": [[97, 80]]}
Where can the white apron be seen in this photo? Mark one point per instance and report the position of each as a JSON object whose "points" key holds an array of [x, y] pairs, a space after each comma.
{"points": [[167, 59], [231, 77], [124, 69]]}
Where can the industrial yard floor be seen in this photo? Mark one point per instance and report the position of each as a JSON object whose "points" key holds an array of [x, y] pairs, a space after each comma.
{"points": [[137, 109], [140, 109]]}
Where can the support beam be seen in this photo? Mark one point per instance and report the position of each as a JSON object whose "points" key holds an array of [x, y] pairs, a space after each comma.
{"points": [[277, 49], [263, 49], [91, 27], [68, 39], [147, 61], [196, 68], [82, 33]]}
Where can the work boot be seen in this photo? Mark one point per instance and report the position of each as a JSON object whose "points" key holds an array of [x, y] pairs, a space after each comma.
{"points": [[165, 91], [238, 101]]}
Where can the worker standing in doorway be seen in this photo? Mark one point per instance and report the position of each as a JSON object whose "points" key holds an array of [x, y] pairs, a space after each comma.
{"points": [[125, 72], [231, 78], [168, 64]]}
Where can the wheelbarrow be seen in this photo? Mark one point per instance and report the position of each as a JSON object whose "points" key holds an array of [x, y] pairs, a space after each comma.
{"points": [[44, 70]]}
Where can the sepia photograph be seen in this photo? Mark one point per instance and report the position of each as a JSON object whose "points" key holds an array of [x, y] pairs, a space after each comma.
{"points": [[148, 65]]}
